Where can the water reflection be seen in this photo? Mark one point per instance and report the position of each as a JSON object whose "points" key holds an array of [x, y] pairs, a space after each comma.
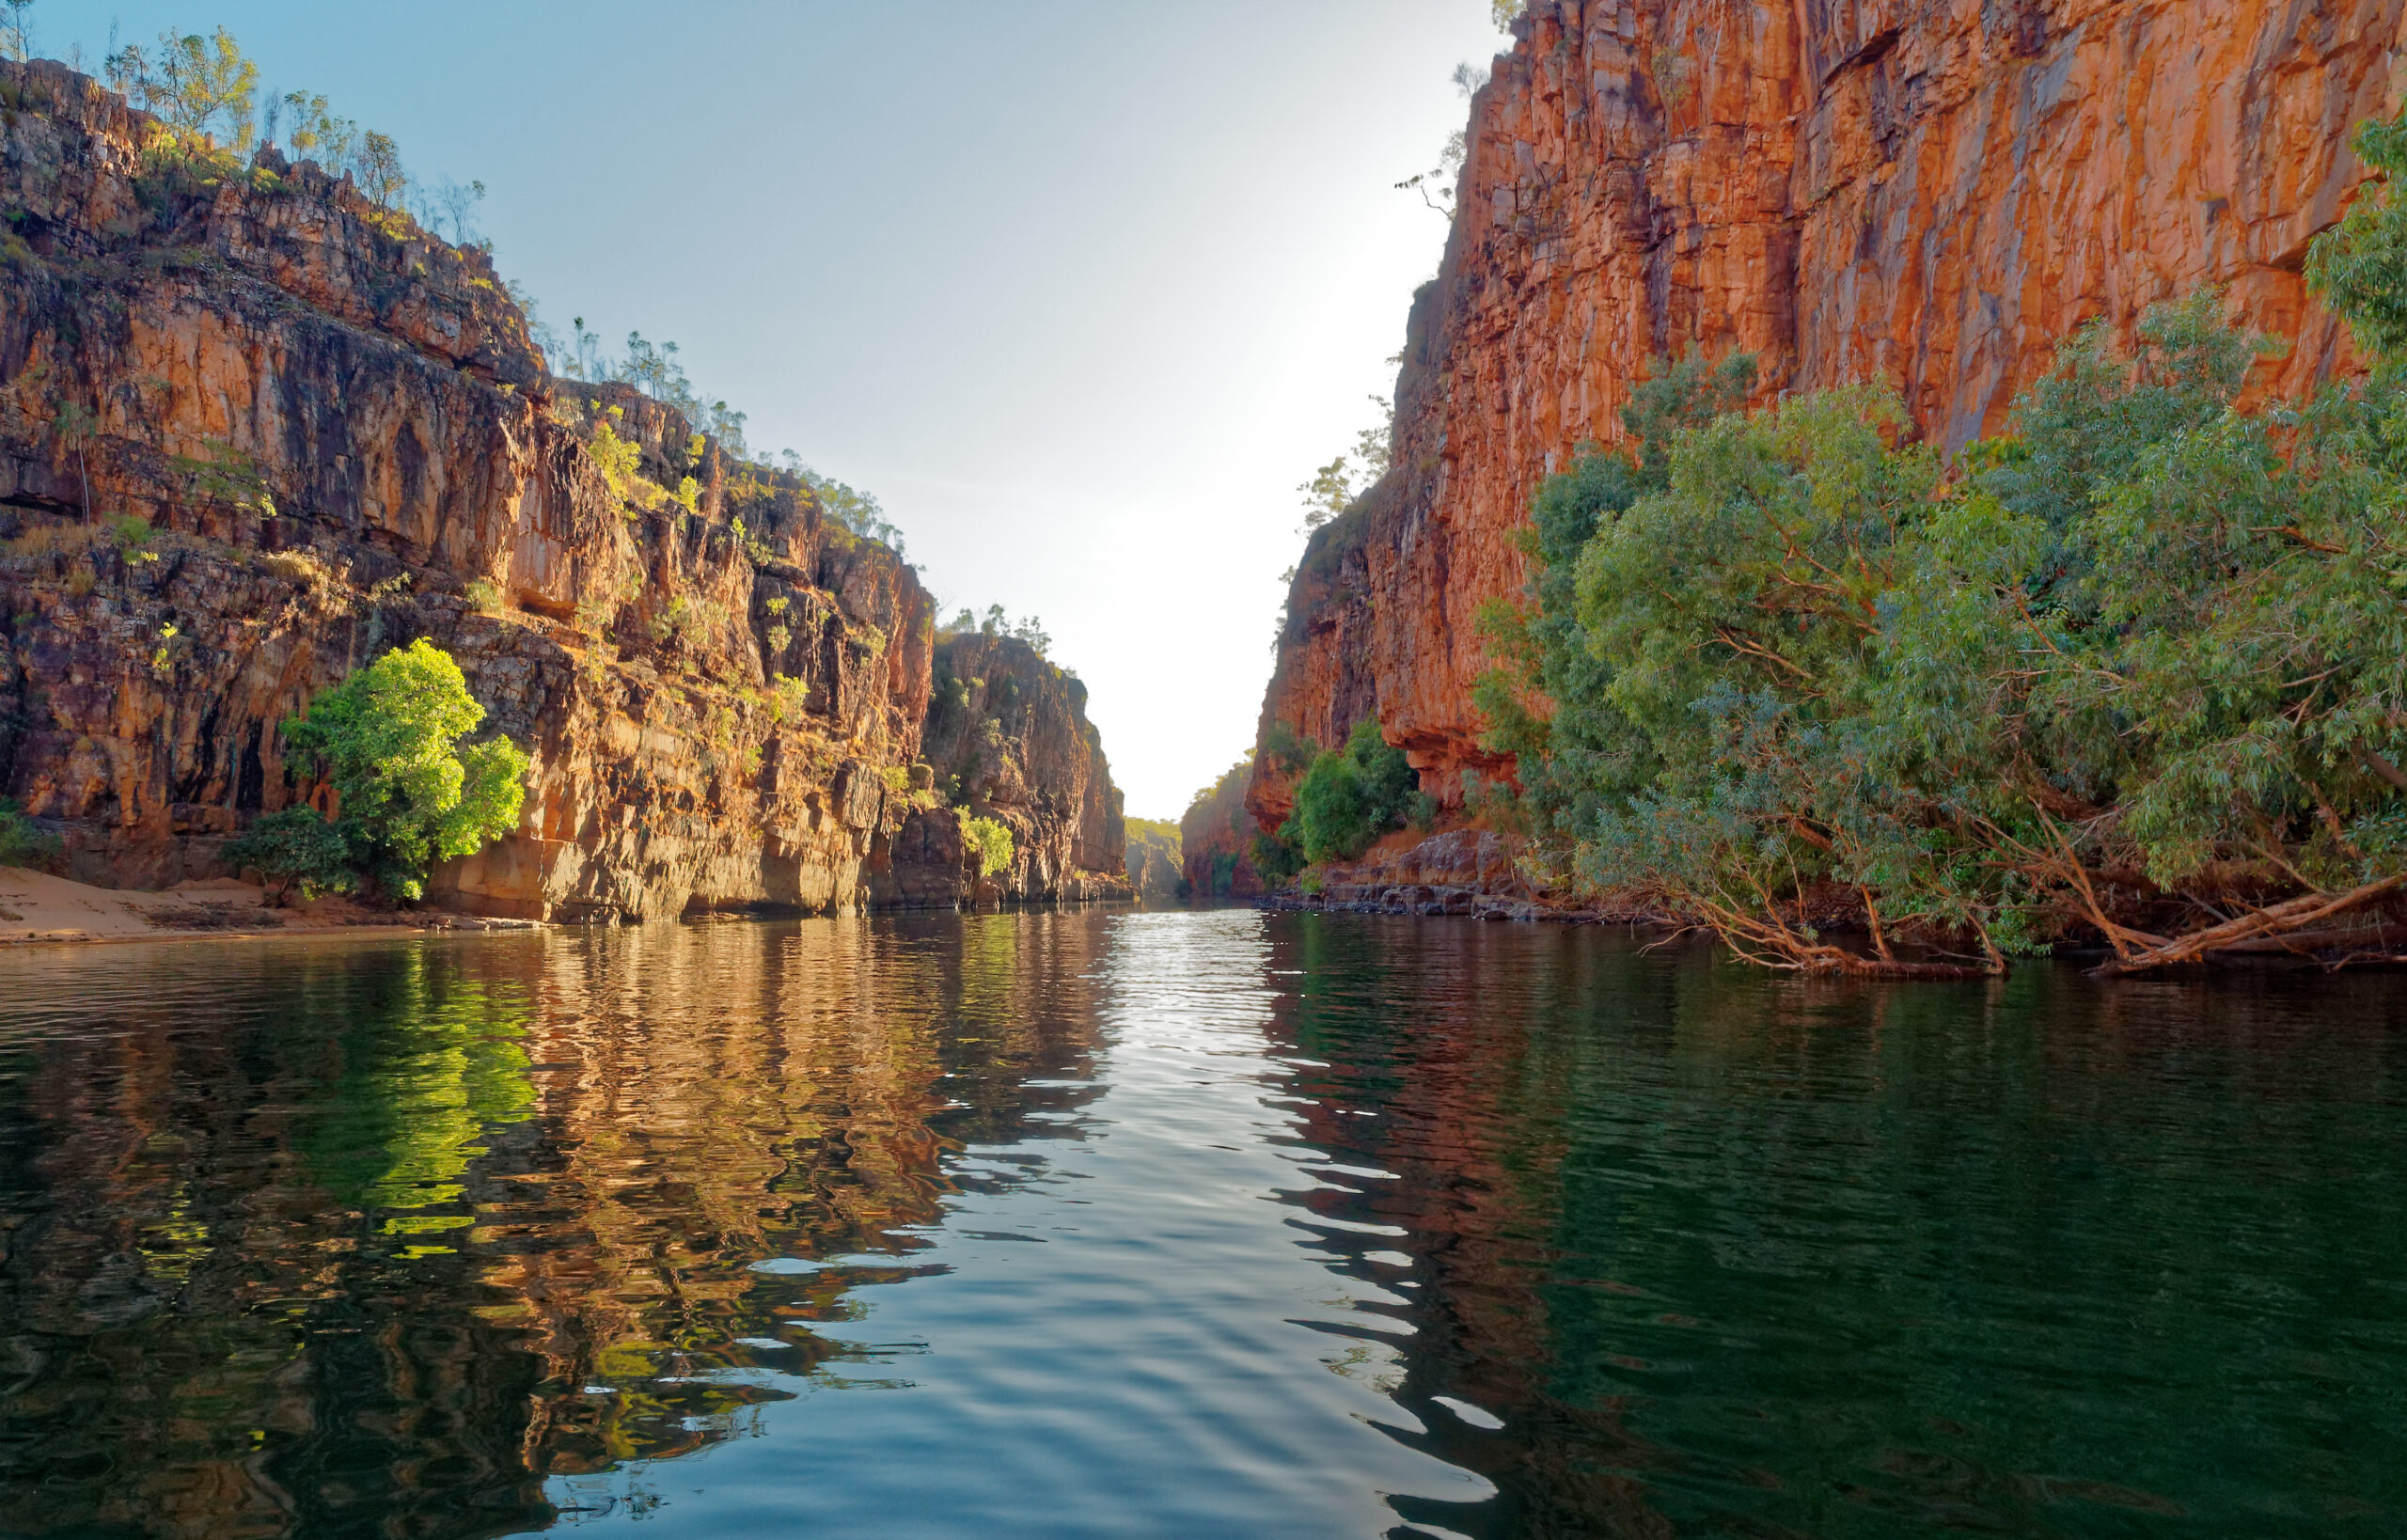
{"points": [[1169, 1224], [381, 1233], [1734, 1256]]}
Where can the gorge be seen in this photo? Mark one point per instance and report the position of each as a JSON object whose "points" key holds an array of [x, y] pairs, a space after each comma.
{"points": [[258, 428]]}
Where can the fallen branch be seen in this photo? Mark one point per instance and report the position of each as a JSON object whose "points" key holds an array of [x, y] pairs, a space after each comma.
{"points": [[2285, 919]]}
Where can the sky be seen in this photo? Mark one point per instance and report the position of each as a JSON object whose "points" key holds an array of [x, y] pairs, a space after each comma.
{"points": [[1081, 290]]}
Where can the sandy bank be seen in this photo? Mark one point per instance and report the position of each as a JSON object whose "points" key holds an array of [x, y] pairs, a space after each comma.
{"points": [[36, 908]]}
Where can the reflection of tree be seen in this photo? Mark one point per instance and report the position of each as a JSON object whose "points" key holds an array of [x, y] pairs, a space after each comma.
{"points": [[1730, 1254], [342, 1230]]}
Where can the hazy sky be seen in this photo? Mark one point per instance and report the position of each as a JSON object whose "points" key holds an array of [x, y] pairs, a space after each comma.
{"points": [[1081, 290]]}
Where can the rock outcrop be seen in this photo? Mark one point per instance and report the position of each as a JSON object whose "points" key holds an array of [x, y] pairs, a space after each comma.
{"points": [[1216, 840], [1156, 876], [1930, 193], [254, 429], [1006, 738]]}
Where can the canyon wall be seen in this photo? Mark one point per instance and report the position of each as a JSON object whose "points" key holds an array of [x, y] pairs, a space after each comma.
{"points": [[254, 430], [1006, 738], [1926, 193]]}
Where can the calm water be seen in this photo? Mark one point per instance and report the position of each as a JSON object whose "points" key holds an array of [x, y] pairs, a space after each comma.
{"points": [[1212, 1225]]}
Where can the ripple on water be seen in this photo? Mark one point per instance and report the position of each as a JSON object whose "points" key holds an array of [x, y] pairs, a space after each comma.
{"points": [[1185, 1224]]}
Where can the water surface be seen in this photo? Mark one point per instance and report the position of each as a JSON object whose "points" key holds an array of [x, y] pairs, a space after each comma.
{"points": [[1180, 1224]]}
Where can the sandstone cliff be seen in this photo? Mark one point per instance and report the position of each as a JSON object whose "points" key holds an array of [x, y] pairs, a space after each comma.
{"points": [[1216, 840], [254, 430], [1006, 738], [1930, 193]]}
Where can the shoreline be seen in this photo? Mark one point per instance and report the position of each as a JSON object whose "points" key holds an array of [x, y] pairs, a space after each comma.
{"points": [[39, 909]]}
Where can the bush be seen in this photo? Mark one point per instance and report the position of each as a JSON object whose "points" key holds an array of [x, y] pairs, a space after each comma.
{"points": [[991, 840], [1349, 797], [388, 738], [296, 848], [22, 842]]}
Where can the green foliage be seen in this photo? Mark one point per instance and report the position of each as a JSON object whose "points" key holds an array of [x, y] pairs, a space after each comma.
{"points": [[296, 849], [991, 840], [194, 85], [2358, 266], [2140, 667], [1348, 798], [388, 739], [23, 842], [619, 459], [132, 536], [995, 622]]}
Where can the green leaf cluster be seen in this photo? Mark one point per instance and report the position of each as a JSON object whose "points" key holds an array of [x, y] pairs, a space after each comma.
{"points": [[1348, 798], [388, 739], [990, 840], [296, 849]]}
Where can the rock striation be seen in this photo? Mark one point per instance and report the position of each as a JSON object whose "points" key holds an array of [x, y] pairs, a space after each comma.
{"points": [[254, 429], [1006, 738], [1928, 193]]}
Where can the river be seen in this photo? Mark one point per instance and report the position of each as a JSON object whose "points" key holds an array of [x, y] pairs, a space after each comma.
{"points": [[1186, 1224]]}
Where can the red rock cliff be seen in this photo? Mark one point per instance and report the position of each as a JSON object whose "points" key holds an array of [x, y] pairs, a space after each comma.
{"points": [[1931, 193], [340, 437], [1006, 738]]}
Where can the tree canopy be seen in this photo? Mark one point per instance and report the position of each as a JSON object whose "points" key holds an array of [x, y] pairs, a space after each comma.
{"points": [[2132, 675]]}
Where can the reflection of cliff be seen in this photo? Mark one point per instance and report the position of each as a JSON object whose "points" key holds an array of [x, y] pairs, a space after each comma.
{"points": [[1734, 1255], [404, 1230]]}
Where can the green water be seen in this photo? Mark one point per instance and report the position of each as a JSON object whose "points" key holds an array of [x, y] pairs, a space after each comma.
{"points": [[1186, 1224]]}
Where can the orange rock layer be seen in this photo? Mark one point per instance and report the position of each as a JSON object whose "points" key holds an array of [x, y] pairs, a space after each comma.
{"points": [[1926, 193]]}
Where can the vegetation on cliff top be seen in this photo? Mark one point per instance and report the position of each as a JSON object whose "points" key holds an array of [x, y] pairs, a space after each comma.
{"points": [[2133, 677], [204, 90]]}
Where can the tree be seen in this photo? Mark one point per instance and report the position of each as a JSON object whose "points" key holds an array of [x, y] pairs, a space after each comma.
{"points": [[388, 739], [1333, 487], [449, 208], [194, 85], [2360, 266], [1349, 797], [295, 848], [16, 38]]}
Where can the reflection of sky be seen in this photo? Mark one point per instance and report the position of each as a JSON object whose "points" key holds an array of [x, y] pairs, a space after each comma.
{"points": [[1137, 1333]]}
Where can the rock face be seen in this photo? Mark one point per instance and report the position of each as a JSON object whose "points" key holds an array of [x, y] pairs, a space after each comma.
{"points": [[1216, 840], [1006, 738], [1930, 193], [1156, 876], [254, 430]]}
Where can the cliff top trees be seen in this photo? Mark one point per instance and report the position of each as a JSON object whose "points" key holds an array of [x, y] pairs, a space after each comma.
{"points": [[194, 85]]}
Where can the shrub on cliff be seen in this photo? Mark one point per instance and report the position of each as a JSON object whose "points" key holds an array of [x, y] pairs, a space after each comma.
{"points": [[1349, 797], [390, 740], [990, 840]]}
